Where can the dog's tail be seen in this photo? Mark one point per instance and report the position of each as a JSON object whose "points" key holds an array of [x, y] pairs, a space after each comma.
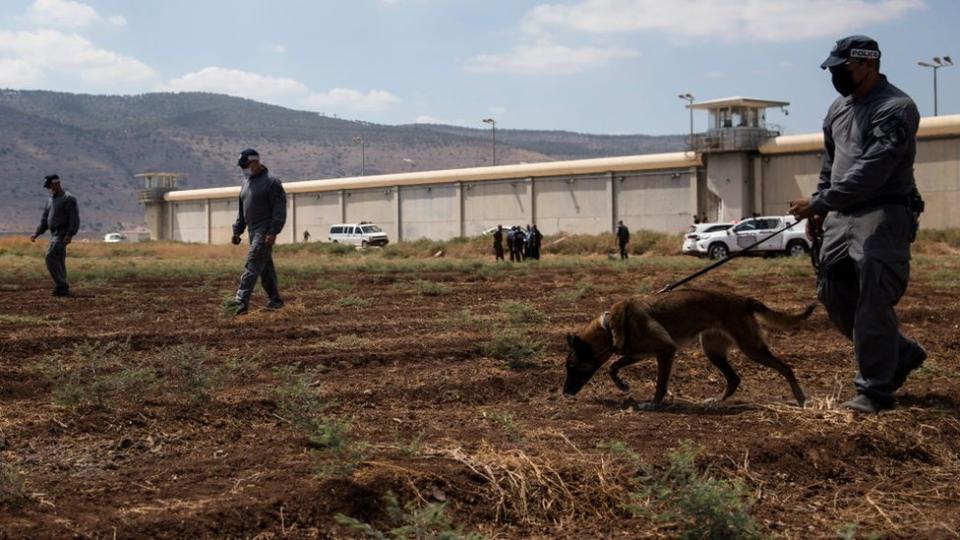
{"points": [[780, 319]]}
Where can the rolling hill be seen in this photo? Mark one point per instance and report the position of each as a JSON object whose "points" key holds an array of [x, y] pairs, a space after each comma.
{"points": [[97, 143]]}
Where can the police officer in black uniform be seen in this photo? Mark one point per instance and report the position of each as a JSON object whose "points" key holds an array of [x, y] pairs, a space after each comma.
{"points": [[61, 216], [866, 211], [263, 211], [536, 239], [623, 238], [519, 241], [498, 243]]}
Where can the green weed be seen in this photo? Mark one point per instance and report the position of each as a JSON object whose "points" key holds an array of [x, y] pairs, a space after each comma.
{"points": [[244, 363], [581, 290], [337, 454], [507, 423], [701, 506], [430, 288], [413, 447], [192, 377], [92, 374], [348, 342], [520, 312], [516, 349], [462, 319], [410, 522], [29, 320], [352, 301], [13, 489]]}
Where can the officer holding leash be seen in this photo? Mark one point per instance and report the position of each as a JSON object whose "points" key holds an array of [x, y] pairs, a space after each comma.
{"points": [[263, 211], [61, 216], [865, 212]]}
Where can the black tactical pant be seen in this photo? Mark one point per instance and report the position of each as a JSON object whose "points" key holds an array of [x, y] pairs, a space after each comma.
{"points": [[498, 251], [56, 260], [259, 264], [865, 268], [623, 250]]}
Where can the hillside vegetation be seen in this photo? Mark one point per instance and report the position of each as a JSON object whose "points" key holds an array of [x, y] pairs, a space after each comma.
{"points": [[97, 144]]}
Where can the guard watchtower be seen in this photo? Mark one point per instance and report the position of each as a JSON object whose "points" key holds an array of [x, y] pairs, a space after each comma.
{"points": [[736, 127], [156, 185], [735, 124]]}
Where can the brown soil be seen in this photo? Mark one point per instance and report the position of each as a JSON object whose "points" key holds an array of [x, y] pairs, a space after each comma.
{"points": [[509, 456]]}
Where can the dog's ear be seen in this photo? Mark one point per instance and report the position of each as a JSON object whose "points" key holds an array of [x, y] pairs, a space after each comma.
{"points": [[571, 340], [618, 320]]}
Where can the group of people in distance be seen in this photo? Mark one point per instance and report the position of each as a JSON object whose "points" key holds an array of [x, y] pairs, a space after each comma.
{"points": [[522, 243]]}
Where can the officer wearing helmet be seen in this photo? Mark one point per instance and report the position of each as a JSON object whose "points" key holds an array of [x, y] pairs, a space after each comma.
{"points": [[61, 216], [866, 210], [262, 212]]}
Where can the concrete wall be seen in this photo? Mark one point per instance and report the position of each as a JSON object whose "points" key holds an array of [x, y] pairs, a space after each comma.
{"points": [[223, 213], [658, 192], [189, 221], [787, 177], [937, 170], [315, 213], [655, 202], [784, 178], [374, 205], [574, 204], [430, 212], [730, 176], [487, 204]]}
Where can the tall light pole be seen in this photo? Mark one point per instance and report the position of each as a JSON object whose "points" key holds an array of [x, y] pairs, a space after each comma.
{"points": [[937, 64], [689, 99], [363, 155], [493, 124]]}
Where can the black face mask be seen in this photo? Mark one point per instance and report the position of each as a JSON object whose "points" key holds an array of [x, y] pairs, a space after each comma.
{"points": [[842, 80]]}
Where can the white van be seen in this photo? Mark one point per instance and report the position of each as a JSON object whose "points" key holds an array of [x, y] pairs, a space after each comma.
{"points": [[114, 238], [361, 234]]}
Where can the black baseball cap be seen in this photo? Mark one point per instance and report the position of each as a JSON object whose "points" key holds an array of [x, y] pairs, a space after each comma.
{"points": [[858, 47], [49, 179], [247, 156]]}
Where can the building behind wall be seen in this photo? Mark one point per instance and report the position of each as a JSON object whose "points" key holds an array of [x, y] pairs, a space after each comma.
{"points": [[738, 167]]}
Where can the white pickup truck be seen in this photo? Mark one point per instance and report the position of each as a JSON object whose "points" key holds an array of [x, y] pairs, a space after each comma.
{"points": [[792, 242]]}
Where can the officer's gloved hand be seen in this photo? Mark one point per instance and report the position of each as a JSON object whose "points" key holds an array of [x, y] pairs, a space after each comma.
{"points": [[235, 240], [815, 227]]}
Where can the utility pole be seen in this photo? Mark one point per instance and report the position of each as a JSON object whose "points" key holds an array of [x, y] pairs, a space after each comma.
{"points": [[493, 125], [363, 155], [689, 98]]}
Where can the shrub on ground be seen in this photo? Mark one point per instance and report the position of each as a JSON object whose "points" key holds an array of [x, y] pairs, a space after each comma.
{"points": [[13, 490], [410, 522], [699, 505], [520, 312], [94, 374], [516, 349], [192, 377], [337, 454]]}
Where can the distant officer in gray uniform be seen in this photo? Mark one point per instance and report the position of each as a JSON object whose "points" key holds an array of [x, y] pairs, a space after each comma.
{"points": [[866, 208], [263, 211], [61, 216]]}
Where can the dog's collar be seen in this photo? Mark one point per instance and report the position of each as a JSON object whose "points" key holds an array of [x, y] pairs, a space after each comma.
{"points": [[605, 321]]}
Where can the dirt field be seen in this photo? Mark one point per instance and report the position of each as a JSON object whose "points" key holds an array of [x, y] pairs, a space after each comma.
{"points": [[138, 410]]}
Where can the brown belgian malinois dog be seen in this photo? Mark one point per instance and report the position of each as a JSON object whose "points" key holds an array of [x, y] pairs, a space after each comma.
{"points": [[636, 329]]}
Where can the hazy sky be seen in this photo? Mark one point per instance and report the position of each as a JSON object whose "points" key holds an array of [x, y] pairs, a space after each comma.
{"points": [[599, 66]]}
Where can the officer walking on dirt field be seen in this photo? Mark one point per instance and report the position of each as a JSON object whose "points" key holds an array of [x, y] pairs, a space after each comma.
{"points": [[623, 237], [61, 216], [866, 210], [263, 211]]}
